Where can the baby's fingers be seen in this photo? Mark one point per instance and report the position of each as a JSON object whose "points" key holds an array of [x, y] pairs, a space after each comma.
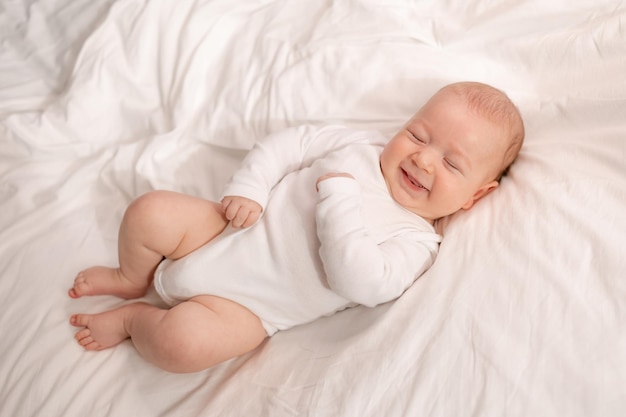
{"points": [[241, 211], [332, 175], [239, 218], [245, 217], [251, 218], [230, 208]]}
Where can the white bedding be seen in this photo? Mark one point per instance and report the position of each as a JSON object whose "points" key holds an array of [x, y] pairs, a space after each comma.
{"points": [[524, 311]]}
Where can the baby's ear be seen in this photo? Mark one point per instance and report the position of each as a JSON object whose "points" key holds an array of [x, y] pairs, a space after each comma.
{"points": [[482, 191]]}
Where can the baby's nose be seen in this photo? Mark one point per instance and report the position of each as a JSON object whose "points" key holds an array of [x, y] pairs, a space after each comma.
{"points": [[423, 160]]}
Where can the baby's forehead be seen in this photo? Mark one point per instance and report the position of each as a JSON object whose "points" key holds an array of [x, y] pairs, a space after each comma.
{"points": [[447, 106], [479, 130], [492, 110]]}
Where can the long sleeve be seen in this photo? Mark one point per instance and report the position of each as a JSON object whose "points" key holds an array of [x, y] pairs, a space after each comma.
{"points": [[283, 152], [357, 267]]}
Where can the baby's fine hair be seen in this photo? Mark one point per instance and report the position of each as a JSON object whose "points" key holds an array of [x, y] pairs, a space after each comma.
{"points": [[494, 105]]}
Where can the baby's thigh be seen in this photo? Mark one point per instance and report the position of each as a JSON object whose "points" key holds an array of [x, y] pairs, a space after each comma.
{"points": [[231, 329], [180, 223], [201, 221]]}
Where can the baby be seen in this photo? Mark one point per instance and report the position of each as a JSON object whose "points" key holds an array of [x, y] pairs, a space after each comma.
{"points": [[314, 221]]}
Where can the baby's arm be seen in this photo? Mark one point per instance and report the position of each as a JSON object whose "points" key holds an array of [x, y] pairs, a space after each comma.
{"points": [[286, 151], [268, 162], [357, 267]]}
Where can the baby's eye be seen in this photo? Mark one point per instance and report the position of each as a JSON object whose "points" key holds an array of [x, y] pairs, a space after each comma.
{"points": [[451, 164], [417, 138]]}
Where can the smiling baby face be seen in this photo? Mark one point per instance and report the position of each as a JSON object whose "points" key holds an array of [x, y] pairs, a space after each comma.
{"points": [[446, 157]]}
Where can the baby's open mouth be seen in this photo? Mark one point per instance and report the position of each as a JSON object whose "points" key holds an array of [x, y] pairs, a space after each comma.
{"points": [[413, 181]]}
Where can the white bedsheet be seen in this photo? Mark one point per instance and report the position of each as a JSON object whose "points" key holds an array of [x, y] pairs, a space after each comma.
{"points": [[523, 312]]}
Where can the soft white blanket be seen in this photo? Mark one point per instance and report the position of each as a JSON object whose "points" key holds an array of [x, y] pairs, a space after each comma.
{"points": [[523, 312]]}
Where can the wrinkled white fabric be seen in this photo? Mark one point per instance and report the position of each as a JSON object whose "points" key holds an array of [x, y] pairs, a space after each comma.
{"points": [[521, 314]]}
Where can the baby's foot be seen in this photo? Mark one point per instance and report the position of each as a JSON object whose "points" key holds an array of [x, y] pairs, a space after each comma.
{"points": [[100, 331], [100, 280]]}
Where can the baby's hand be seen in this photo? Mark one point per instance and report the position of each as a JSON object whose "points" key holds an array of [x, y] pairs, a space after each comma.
{"points": [[331, 175], [241, 211]]}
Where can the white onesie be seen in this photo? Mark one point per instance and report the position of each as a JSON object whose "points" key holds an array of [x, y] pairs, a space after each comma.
{"points": [[312, 253]]}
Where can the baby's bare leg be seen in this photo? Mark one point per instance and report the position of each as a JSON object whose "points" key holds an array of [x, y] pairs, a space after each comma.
{"points": [[189, 337], [156, 225]]}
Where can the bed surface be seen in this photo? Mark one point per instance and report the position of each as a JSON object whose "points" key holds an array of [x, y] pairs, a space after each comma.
{"points": [[522, 313]]}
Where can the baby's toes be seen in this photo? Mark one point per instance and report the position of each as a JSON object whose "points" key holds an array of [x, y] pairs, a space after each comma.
{"points": [[79, 320], [80, 288], [83, 337]]}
